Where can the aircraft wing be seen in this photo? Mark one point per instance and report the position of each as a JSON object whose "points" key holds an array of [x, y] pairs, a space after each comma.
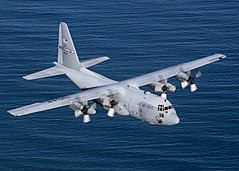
{"points": [[66, 100], [172, 71]]}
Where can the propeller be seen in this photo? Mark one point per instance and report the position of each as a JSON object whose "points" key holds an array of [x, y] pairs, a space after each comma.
{"points": [[111, 111], [163, 87], [87, 111], [109, 104], [83, 109], [191, 81]]}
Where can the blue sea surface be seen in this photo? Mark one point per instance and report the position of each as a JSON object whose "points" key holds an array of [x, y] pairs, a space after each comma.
{"points": [[139, 37]]}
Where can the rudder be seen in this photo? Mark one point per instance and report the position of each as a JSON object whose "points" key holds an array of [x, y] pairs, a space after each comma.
{"points": [[67, 54]]}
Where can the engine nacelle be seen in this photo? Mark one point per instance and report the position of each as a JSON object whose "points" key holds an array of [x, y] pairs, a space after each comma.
{"points": [[186, 80], [182, 76], [77, 107], [112, 106]]}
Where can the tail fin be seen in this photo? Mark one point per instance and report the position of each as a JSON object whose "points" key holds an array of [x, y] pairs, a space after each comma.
{"points": [[67, 55]]}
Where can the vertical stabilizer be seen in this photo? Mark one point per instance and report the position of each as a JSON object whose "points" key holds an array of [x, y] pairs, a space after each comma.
{"points": [[67, 55]]}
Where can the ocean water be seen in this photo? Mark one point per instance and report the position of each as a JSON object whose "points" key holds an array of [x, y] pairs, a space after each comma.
{"points": [[139, 37]]}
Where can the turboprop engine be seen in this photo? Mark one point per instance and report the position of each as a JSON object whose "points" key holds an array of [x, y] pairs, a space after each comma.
{"points": [[186, 79], [113, 106], [109, 104], [162, 87], [83, 109]]}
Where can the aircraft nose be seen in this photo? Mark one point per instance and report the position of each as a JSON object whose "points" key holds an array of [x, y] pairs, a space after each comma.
{"points": [[172, 119], [176, 120]]}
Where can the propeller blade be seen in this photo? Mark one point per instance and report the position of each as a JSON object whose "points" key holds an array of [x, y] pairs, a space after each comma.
{"points": [[111, 112], [184, 84], [171, 88], [78, 113], [93, 106], [91, 110], [106, 102], [193, 87], [157, 89], [164, 95], [86, 118], [198, 74]]}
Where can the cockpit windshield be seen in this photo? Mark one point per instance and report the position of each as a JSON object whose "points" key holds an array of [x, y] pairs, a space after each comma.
{"points": [[168, 107]]}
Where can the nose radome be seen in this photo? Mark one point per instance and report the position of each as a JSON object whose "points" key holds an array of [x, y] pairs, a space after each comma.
{"points": [[176, 120], [173, 119]]}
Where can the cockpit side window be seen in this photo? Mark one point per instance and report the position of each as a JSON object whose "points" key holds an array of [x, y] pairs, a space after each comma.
{"points": [[160, 108]]}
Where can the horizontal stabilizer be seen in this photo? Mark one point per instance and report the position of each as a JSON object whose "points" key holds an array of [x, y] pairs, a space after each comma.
{"points": [[94, 61], [53, 71]]}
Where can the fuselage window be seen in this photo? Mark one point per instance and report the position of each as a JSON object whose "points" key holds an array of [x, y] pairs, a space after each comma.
{"points": [[161, 115]]}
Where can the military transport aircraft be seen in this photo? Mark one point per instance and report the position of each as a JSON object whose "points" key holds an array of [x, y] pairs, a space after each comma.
{"points": [[121, 97]]}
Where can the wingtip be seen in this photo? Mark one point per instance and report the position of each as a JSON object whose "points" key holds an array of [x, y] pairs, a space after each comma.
{"points": [[26, 77], [224, 56], [12, 113], [221, 56], [106, 57]]}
